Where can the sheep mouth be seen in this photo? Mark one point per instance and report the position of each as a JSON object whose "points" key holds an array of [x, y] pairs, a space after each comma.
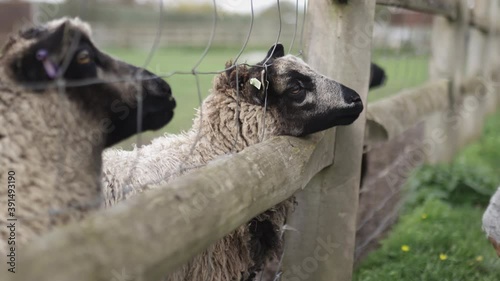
{"points": [[127, 127], [156, 120], [346, 116], [341, 117], [346, 120], [158, 111]]}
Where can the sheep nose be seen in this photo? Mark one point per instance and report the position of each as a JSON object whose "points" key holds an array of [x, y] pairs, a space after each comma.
{"points": [[349, 95]]}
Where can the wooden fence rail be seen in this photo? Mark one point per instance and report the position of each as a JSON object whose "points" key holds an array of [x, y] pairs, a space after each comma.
{"points": [[447, 8], [161, 229]]}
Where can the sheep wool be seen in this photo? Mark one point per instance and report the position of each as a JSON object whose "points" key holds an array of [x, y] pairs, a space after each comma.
{"points": [[491, 221], [42, 143]]}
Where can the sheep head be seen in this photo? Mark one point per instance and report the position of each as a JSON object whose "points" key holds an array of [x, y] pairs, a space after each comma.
{"points": [[62, 51], [304, 100]]}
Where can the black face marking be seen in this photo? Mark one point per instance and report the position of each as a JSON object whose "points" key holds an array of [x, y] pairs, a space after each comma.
{"points": [[306, 101], [77, 70], [298, 85], [295, 75], [31, 67], [302, 100], [39, 61]]}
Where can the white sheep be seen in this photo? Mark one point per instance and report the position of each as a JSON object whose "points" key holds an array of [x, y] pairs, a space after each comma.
{"points": [[279, 96], [491, 221], [52, 134]]}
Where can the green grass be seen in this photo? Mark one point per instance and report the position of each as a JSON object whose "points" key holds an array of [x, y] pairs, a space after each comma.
{"points": [[452, 231], [452, 198], [403, 71], [485, 153]]}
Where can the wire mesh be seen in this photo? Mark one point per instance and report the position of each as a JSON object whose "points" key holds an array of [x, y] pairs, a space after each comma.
{"points": [[159, 37]]}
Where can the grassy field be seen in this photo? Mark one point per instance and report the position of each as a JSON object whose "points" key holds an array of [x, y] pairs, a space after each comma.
{"points": [[439, 235], [403, 71]]}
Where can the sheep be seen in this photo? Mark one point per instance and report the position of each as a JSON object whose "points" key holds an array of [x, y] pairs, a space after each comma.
{"points": [[491, 221], [377, 76], [377, 79], [52, 134], [281, 95]]}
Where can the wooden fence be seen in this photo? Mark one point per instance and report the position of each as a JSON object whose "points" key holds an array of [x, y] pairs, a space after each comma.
{"points": [[13, 16], [159, 230]]}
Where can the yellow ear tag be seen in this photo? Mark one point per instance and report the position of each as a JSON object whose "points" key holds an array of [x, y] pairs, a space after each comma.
{"points": [[255, 82]]}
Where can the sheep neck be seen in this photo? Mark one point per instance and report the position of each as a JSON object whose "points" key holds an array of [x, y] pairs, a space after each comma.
{"points": [[227, 126]]}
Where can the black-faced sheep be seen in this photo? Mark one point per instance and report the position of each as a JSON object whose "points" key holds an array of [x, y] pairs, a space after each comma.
{"points": [[279, 96], [52, 134], [377, 79], [377, 76]]}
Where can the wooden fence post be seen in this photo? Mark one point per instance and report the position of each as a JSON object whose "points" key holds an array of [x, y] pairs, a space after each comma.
{"points": [[339, 46], [448, 62], [493, 56], [474, 106]]}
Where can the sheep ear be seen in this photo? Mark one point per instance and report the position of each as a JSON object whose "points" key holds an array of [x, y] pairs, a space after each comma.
{"points": [[31, 32], [276, 51], [29, 68], [57, 35]]}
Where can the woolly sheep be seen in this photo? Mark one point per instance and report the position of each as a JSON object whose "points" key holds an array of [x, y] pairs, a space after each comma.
{"points": [[51, 139], [299, 102], [491, 221]]}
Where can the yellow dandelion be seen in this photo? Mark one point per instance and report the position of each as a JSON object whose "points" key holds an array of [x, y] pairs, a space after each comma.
{"points": [[443, 257], [424, 216], [479, 258], [405, 248]]}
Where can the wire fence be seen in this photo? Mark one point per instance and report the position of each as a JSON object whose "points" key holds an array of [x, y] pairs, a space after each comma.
{"points": [[403, 52], [70, 45], [401, 46]]}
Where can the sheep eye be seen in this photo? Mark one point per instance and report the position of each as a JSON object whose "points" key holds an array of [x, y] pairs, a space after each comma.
{"points": [[83, 57], [295, 90]]}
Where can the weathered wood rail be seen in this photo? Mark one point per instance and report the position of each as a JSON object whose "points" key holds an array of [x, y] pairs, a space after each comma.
{"points": [[448, 8], [97, 244], [159, 230]]}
